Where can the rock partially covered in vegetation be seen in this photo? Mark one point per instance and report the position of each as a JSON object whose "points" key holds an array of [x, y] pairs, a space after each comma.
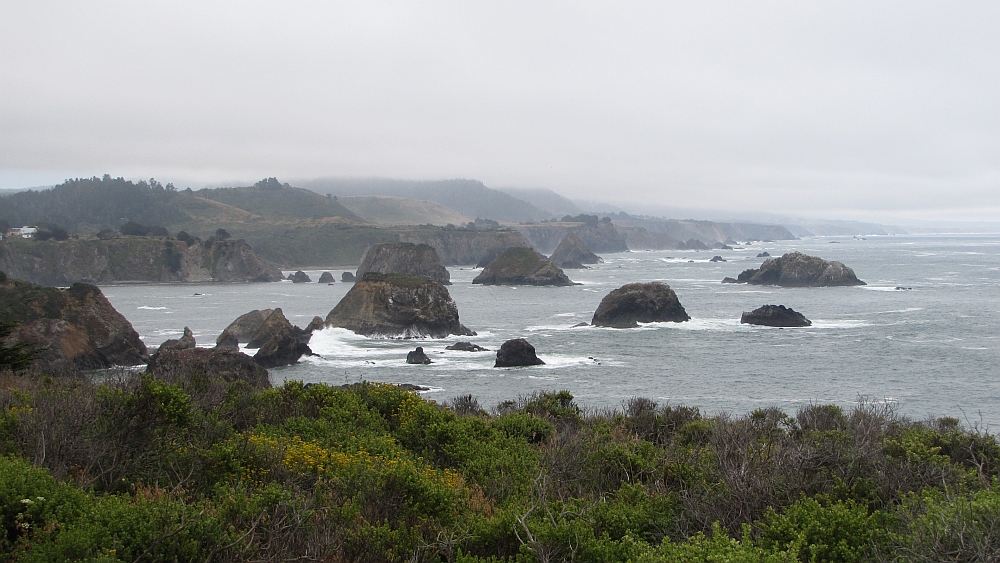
{"points": [[517, 352], [326, 277], [398, 306], [184, 366], [405, 258], [636, 303], [244, 327], [572, 252], [775, 315], [796, 269], [300, 277], [417, 356], [186, 341], [75, 328], [522, 266]]}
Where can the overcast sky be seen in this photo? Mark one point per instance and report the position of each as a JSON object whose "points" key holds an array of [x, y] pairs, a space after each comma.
{"points": [[833, 109]]}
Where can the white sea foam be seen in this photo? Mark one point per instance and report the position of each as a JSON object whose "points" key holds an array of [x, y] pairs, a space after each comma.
{"points": [[148, 308]]}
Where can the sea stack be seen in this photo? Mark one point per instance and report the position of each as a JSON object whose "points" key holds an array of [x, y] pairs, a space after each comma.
{"points": [[636, 303], [398, 306], [515, 353], [796, 269], [405, 258], [522, 266], [775, 315], [573, 253]]}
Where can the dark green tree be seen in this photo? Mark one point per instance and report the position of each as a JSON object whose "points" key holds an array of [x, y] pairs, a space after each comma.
{"points": [[17, 356], [222, 234]]}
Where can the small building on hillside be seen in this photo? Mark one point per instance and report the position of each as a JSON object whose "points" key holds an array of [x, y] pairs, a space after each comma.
{"points": [[22, 232]]}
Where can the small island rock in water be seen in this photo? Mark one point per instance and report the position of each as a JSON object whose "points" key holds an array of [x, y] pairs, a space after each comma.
{"points": [[636, 303], [405, 258], [521, 265], [796, 269], [398, 306], [775, 315], [572, 252], [517, 352]]}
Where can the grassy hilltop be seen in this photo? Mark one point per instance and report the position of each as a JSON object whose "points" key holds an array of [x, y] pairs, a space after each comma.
{"points": [[144, 470]]}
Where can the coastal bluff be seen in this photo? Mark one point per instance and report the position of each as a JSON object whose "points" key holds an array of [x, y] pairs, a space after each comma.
{"points": [[133, 259]]}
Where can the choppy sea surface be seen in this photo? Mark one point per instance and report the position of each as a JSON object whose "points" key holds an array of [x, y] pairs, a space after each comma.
{"points": [[932, 349]]}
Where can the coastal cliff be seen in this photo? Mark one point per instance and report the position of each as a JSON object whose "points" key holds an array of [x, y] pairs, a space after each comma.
{"points": [[133, 259], [597, 235]]}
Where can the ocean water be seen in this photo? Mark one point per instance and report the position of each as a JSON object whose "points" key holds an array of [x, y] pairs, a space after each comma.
{"points": [[932, 350]]}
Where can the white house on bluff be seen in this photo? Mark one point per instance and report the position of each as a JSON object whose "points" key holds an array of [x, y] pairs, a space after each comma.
{"points": [[23, 232]]}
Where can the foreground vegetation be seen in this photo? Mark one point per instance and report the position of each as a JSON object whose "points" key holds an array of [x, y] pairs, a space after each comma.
{"points": [[205, 470]]}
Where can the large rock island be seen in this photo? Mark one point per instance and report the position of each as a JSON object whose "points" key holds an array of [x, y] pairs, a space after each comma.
{"points": [[398, 306], [133, 259], [404, 258], [636, 303], [796, 269], [522, 266], [75, 328]]}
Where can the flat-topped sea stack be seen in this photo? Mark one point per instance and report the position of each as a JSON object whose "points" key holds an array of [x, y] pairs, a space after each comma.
{"points": [[775, 315], [405, 258], [75, 328], [522, 266], [636, 303], [398, 306], [796, 269], [572, 252]]}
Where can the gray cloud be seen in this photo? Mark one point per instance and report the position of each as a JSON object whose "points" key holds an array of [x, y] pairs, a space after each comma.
{"points": [[824, 107]]}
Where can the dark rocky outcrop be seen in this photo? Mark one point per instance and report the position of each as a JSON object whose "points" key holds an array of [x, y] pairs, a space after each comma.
{"points": [[717, 259], [201, 366], [347, 277], [326, 277], [315, 324], [466, 347], [398, 306], [522, 266], [136, 259], [572, 252], [404, 258], [764, 254], [273, 325], [300, 277], [417, 356], [227, 342], [185, 342], [775, 315], [244, 327], [635, 303], [75, 328], [284, 348], [730, 280], [517, 352], [796, 269]]}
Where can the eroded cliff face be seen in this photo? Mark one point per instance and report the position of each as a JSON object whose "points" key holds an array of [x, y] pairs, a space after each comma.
{"points": [[133, 259], [599, 236], [75, 328], [465, 247]]}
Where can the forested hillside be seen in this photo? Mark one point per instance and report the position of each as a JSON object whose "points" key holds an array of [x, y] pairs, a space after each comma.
{"points": [[88, 205]]}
